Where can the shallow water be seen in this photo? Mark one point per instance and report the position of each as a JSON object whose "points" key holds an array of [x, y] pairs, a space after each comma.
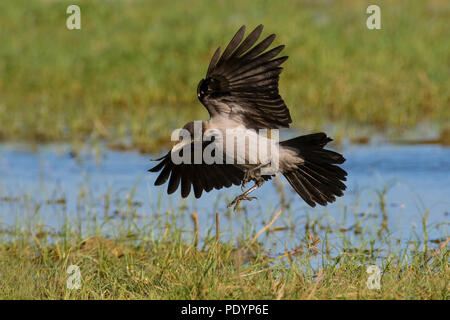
{"points": [[416, 180]]}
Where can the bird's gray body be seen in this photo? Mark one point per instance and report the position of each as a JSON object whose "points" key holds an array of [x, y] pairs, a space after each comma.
{"points": [[286, 157]]}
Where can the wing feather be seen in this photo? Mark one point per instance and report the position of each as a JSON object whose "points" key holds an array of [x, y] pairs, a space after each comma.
{"points": [[196, 177], [214, 60], [249, 41], [233, 44]]}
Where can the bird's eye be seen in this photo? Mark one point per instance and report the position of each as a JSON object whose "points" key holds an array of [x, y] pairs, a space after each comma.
{"points": [[202, 88]]}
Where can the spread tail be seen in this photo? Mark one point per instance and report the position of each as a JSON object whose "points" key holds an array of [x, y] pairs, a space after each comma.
{"points": [[317, 179]]}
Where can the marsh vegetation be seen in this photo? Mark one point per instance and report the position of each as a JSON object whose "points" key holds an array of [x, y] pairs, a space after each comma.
{"points": [[131, 241], [131, 72]]}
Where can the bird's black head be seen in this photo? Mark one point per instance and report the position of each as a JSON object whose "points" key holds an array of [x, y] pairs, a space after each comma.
{"points": [[206, 87], [202, 89]]}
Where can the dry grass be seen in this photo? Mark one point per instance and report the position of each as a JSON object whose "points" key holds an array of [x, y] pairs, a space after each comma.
{"points": [[161, 258]]}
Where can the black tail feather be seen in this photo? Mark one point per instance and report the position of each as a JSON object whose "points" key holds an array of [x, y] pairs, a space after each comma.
{"points": [[318, 179]]}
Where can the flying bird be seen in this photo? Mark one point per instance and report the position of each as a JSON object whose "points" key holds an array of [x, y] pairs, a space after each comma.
{"points": [[240, 92]]}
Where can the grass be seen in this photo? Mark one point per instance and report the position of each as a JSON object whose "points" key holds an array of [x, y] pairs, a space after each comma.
{"points": [[171, 269], [125, 252], [129, 75]]}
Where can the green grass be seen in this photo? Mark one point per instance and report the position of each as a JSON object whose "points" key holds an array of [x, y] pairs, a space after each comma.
{"points": [[130, 75], [171, 269], [125, 252]]}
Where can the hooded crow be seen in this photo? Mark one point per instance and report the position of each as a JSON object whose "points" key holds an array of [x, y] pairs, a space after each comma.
{"points": [[240, 92]]}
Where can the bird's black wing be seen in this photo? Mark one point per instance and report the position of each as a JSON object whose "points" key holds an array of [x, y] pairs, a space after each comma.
{"points": [[200, 177], [243, 82]]}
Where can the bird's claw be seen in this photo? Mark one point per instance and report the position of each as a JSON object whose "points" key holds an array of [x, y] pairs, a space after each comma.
{"points": [[238, 199], [247, 178], [244, 182]]}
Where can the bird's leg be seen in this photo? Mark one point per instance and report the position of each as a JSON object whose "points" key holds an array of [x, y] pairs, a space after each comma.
{"points": [[244, 196], [252, 174], [247, 177]]}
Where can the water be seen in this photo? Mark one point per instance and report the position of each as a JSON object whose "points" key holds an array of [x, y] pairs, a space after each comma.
{"points": [[415, 180]]}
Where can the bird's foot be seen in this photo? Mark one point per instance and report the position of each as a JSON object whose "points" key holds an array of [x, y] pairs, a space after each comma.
{"points": [[238, 199]]}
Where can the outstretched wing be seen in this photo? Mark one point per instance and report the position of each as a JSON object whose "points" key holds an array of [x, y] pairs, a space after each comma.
{"points": [[242, 83], [201, 177]]}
